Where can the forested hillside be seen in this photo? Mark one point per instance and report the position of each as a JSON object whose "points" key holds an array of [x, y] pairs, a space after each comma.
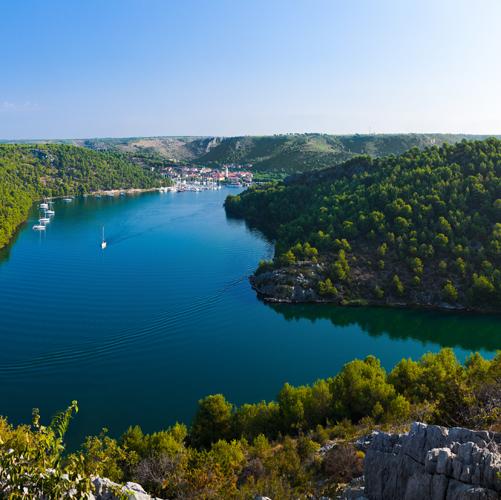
{"points": [[423, 228], [281, 153], [30, 172], [303, 152]]}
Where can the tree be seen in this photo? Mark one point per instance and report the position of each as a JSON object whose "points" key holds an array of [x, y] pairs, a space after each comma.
{"points": [[290, 400], [326, 288], [212, 421], [359, 387], [450, 292], [341, 268], [482, 289], [397, 285]]}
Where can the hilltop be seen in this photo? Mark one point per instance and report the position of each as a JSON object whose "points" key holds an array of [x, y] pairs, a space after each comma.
{"points": [[422, 228], [303, 152], [285, 153]]}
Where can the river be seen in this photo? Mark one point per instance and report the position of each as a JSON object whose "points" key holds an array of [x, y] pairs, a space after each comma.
{"points": [[165, 315]]}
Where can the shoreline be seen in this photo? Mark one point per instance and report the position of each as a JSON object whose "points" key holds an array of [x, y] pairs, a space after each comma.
{"points": [[115, 192], [269, 298], [99, 192]]}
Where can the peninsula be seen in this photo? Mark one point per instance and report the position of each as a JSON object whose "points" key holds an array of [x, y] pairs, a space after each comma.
{"points": [[419, 229]]}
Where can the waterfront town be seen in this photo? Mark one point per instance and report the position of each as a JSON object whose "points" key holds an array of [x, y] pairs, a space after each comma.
{"points": [[201, 177]]}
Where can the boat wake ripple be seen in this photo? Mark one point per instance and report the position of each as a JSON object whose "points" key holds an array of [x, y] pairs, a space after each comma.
{"points": [[162, 327]]}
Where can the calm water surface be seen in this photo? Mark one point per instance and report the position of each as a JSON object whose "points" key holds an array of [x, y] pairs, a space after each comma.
{"points": [[165, 315]]}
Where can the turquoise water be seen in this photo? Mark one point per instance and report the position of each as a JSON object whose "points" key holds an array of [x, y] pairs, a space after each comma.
{"points": [[165, 315]]}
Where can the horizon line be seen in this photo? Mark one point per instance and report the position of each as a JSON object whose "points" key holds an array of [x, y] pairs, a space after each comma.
{"points": [[201, 136]]}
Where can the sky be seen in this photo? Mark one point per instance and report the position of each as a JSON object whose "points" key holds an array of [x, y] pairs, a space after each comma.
{"points": [[122, 68]]}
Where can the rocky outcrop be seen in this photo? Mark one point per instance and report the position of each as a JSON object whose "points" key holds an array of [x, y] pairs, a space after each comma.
{"points": [[296, 283], [355, 490], [104, 489], [433, 462]]}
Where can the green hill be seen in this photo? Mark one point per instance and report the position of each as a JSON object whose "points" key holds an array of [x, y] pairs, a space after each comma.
{"points": [[423, 228], [281, 154], [303, 152], [30, 172]]}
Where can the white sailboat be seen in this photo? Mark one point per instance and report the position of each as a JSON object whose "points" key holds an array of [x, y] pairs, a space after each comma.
{"points": [[49, 210], [43, 220], [103, 241], [39, 227]]}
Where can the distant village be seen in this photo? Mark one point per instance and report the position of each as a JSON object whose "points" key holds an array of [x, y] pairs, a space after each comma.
{"points": [[232, 175]]}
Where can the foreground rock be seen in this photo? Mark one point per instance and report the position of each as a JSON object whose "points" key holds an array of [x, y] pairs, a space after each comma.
{"points": [[104, 489], [432, 462]]}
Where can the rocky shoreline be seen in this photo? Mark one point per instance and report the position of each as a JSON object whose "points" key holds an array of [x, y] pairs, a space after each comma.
{"points": [[298, 284]]}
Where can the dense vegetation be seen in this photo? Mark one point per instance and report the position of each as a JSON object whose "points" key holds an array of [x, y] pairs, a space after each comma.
{"points": [[265, 448], [279, 154], [30, 172], [421, 228], [292, 153]]}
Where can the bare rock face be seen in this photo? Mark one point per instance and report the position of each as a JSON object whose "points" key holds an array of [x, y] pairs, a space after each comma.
{"points": [[104, 489], [433, 462], [295, 283]]}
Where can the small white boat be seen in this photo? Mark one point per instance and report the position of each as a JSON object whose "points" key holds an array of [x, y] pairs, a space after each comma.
{"points": [[44, 206], [67, 200], [103, 242], [39, 227], [50, 212], [44, 220]]}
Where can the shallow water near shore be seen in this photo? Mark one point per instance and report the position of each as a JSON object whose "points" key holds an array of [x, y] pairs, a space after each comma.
{"points": [[165, 315]]}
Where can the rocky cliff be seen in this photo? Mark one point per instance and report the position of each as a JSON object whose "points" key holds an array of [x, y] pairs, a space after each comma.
{"points": [[432, 462], [427, 463]]}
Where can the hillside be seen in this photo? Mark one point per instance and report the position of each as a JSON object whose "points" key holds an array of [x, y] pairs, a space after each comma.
{"points": [[29, 172], [423, 229], [303, 152], [287, 153]]}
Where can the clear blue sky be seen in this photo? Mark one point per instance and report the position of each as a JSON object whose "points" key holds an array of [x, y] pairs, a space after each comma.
{"points": [[91, 68]]}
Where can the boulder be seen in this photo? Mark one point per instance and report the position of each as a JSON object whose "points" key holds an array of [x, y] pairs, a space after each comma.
{"points": [[104, 489]]}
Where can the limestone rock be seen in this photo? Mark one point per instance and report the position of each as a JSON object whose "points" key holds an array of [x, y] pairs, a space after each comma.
{"points": [[295, 283], [354, 491], [432, 462], [104, 489]]}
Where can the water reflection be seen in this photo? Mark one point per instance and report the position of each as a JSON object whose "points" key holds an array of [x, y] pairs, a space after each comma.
{"points": [[5, 251], [468, 331]]}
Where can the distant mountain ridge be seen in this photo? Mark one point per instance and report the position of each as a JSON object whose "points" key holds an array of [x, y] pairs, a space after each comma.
{"points": [[286, 153]]}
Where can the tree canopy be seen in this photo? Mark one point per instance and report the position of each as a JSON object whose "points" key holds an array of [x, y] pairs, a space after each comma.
{"points": [[420, 228], [29, 172]]}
